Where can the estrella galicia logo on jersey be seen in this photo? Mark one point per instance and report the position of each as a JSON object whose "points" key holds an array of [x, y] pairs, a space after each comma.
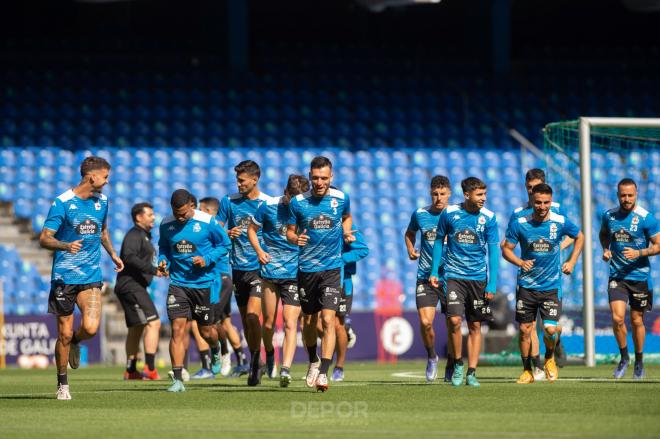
{"points": [[540, 246], [321, 222], [87, 227], [185, 247], [430, 235], [623, 236], [466, 236], [197, 228]]}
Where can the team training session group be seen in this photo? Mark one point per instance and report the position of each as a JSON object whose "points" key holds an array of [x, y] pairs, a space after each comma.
{"points": [[301, 247]]}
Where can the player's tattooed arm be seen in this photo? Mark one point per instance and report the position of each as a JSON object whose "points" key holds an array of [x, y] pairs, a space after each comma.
{"points": [[654, 249], [48, 241], [107, 245]]}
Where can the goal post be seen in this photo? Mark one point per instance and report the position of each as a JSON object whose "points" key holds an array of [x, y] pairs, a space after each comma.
{"points": [[586, 124]]}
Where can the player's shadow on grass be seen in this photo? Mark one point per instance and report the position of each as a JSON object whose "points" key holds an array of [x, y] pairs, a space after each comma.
{"points": [[20, 397]]}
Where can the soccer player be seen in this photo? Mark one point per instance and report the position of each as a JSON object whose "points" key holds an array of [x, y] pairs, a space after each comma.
{"points": [[352, 252], [279, 276], [534, 177], [625, 234], [320, 221], [191, 244], [138, 254], [470, 230], [75, 229], [425, 221], [235, 212], [216, 359], [539, 279]]}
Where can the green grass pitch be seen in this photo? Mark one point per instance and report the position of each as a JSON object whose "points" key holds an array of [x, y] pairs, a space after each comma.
{"points": [[374, 401]]}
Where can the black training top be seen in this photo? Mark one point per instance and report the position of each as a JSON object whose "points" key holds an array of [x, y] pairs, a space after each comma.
{"points": [[138, 254]]}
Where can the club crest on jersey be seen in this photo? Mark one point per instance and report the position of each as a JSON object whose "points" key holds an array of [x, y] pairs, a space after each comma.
{"points": [[321, 222], [197, 228], [97, 205], [635, 220], [553, 227], [87, 227], [334, 202], [482, 220], [185, 247], [466, 236]]}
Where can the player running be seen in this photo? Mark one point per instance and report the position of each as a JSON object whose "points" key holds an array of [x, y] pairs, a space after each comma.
{"points": [[139, 254], [319, 223], [425, 221], [216, 359], [191, 244], [279, 276], [625, 234], [352, 252], [534, 177], [75, 229], [539, 279], [470, 229], [235, 212]]}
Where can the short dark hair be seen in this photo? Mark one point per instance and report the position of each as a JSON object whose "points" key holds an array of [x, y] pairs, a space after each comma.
{"points": [[249, 167], [296, 184], [93, 163], [626, 182], [138, 209], [320, 162], [181, 197], [211, 202], [542, 188], [440, 181], [472, 183], [535, 174]]}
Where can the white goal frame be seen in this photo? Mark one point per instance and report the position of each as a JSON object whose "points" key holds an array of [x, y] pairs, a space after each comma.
{"points": [[586, 124]]}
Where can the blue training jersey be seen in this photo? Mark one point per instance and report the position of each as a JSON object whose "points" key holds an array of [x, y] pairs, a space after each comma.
{"points": [[72, 219], [237, 211], [222, 266], [179, 242], [468, 235], [629, 229], [425, 221], [322, 218], [353, 252], [273, 217], [541, 242]]}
